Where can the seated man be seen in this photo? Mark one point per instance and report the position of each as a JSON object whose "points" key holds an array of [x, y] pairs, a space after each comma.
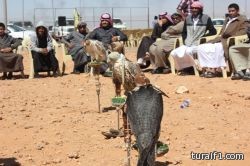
{"points": [[74, 42], [159, 50], [143, 50], [195, 27], [9, 61], [240, 58], [109, 36], [42, 51], [211, 56]]}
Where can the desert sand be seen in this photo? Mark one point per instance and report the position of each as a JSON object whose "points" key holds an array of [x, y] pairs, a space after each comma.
{"points": [[55, 121]]}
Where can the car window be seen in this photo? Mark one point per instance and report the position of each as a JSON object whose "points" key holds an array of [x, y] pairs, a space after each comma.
{"points": [[70, 22], [20, 23], [218, 22], [15, 28], [117, 21], [28, 24], [70, 29]]}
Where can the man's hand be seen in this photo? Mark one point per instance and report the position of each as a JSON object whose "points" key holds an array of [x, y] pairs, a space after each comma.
{"points": [[160, 22], [70, 45], [115, 38], [83, 43], [225, 36], [45, 51], [6, 50]]}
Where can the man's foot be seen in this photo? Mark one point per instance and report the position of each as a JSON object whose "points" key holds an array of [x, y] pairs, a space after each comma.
{"points": [[143, 61], [4, 77], [166, 70], [55, 74], [203, 74], [36, 75], [186, 71], [237, 75], [210, 74], [144, 65], [22, 75], [140, 61], [10, 76], [246, 77], [147, 56], [48, 73], [161, 70], [75, 72], [157, 71]]}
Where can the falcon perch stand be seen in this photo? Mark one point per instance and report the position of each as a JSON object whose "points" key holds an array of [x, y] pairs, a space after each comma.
{"points": [[96, 66]]}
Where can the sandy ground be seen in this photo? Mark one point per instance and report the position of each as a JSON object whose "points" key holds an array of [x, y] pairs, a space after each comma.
{"points": [[55, 121]]}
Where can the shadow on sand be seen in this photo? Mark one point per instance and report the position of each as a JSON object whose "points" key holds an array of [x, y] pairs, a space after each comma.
{"points": [[9, 162], [158, 163]]}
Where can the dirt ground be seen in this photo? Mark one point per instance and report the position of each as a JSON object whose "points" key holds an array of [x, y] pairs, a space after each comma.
{"points": [[55, 121]]}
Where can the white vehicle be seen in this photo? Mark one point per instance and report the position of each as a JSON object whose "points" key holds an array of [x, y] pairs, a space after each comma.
{"points": [[218, 21], [63, 30], [117, 23], [25, 24], [18, 32]]}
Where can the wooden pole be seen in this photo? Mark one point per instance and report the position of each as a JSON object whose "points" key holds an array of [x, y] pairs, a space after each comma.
{"points": [[5, 12]]}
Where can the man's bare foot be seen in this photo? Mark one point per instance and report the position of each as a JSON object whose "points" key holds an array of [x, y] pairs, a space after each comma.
{"points": [[147, 56]]}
